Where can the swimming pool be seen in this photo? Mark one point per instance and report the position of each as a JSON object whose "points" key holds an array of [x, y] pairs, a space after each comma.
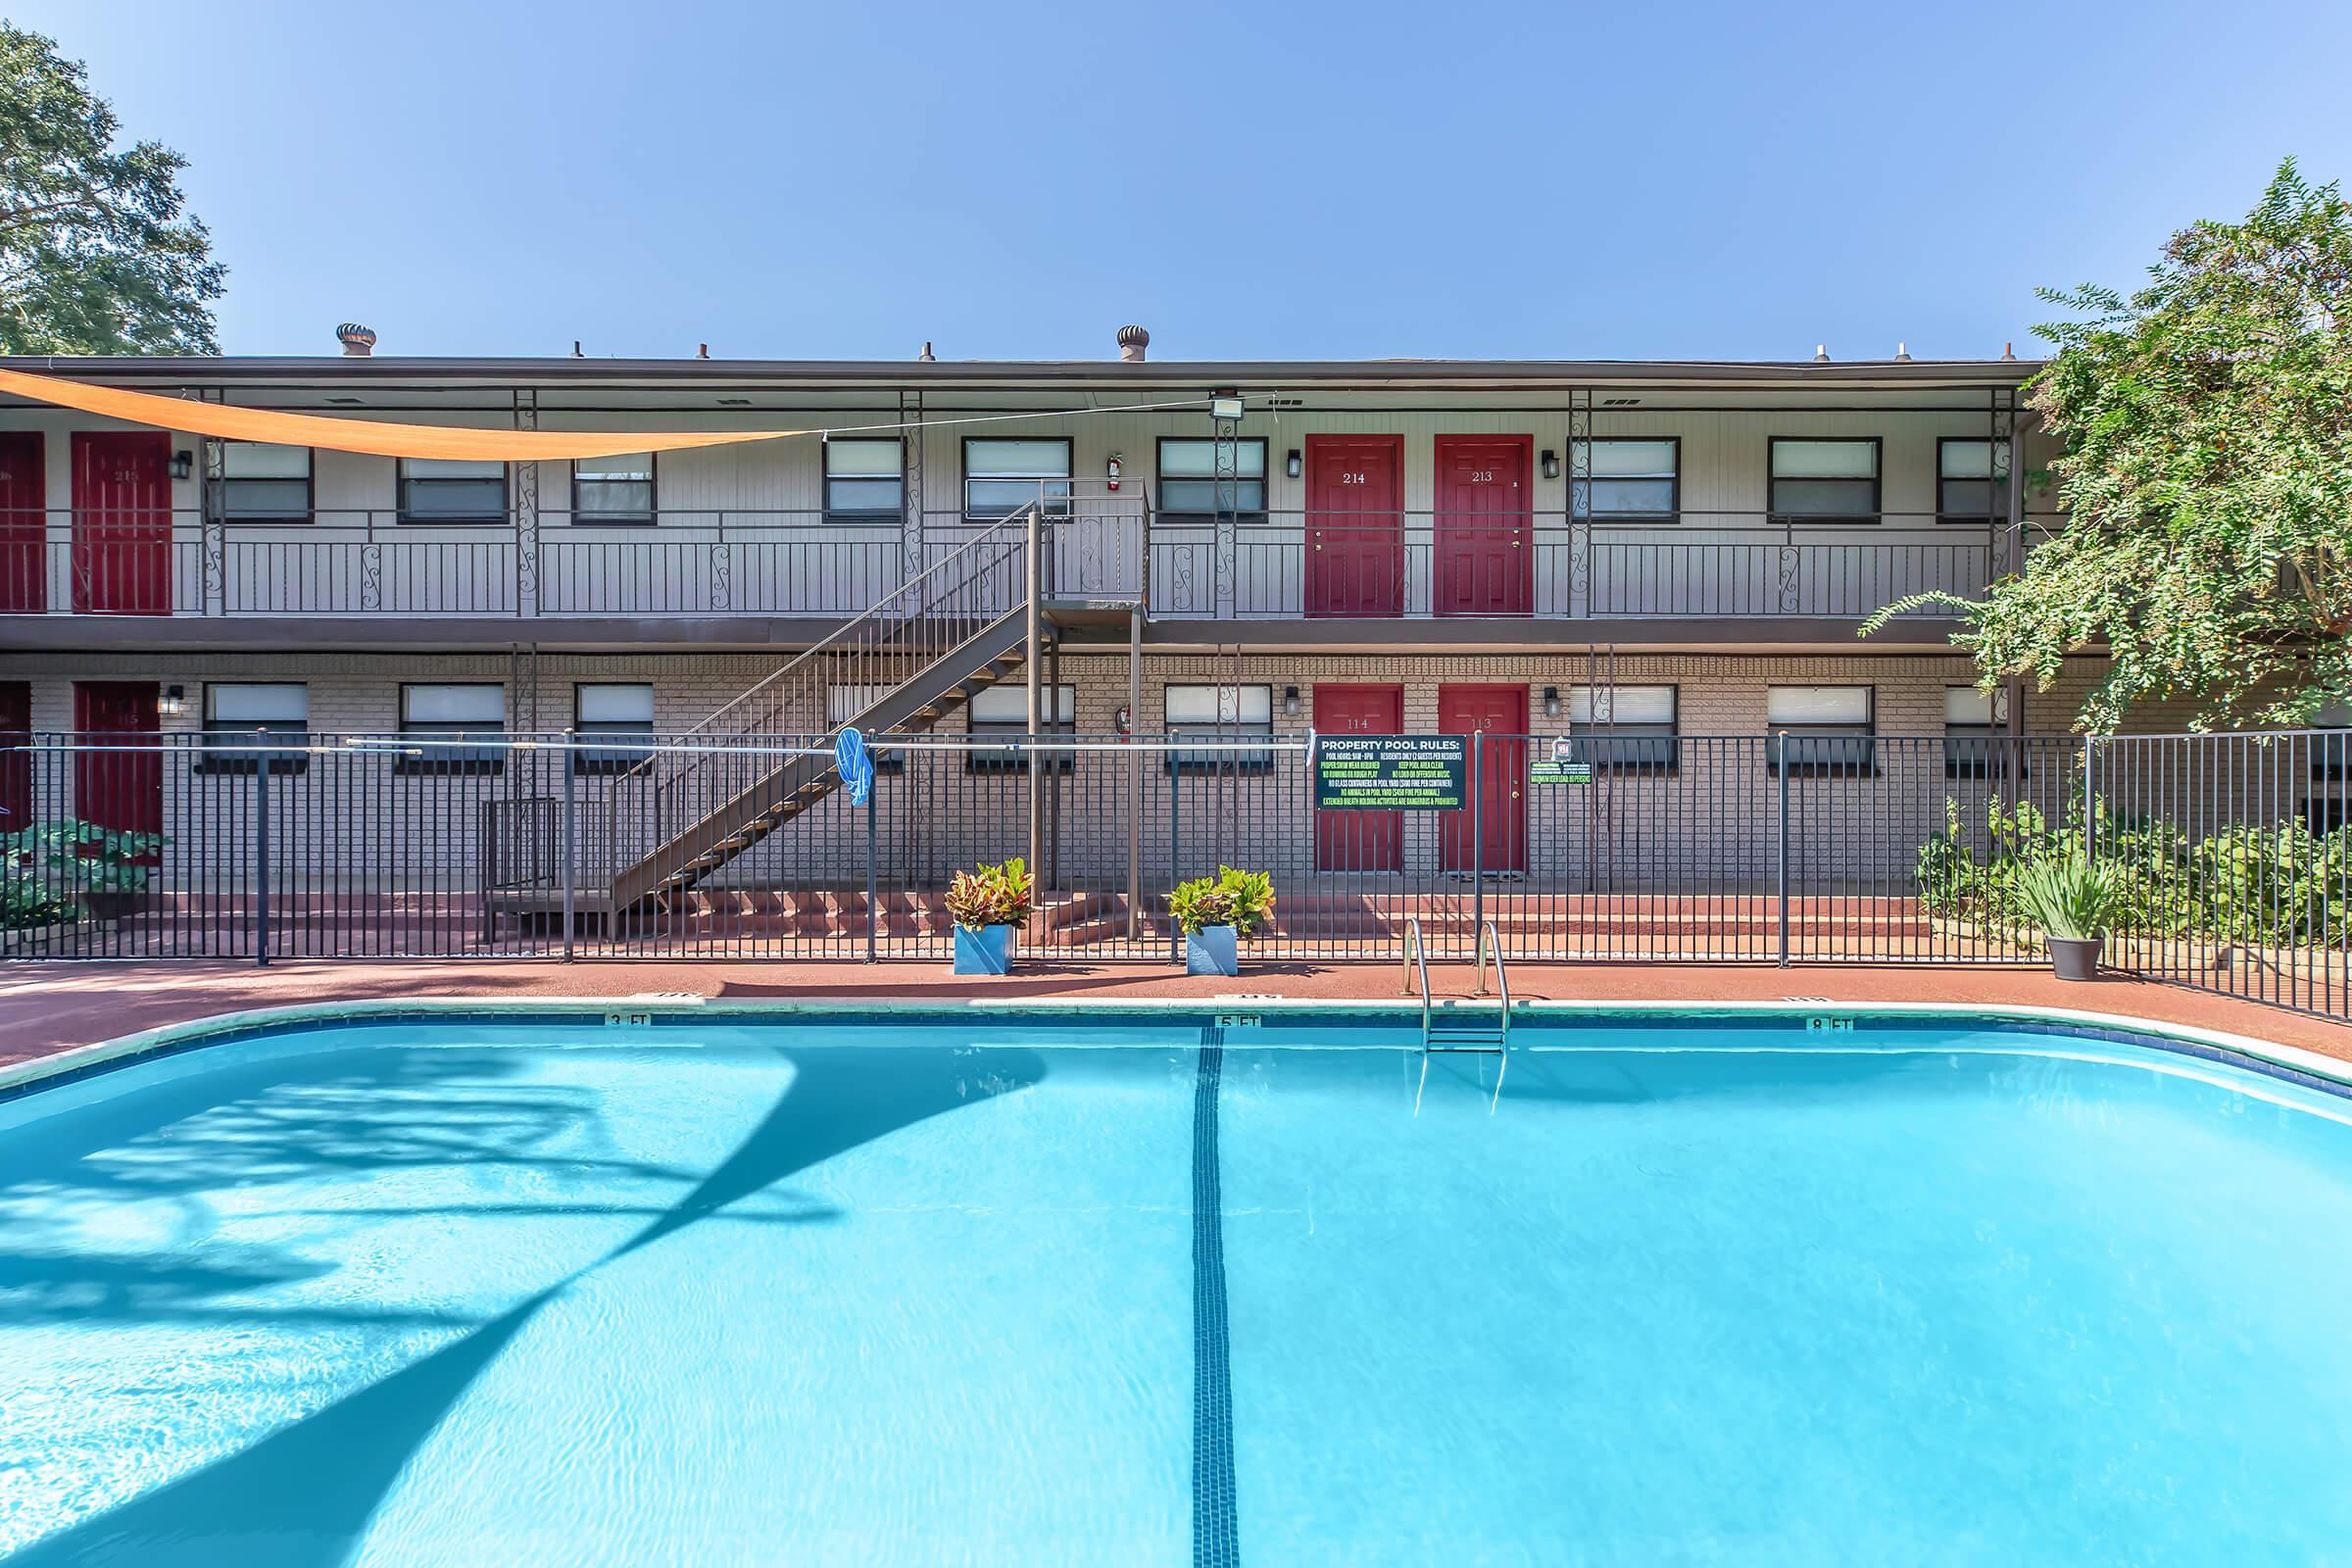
{"points": [[1082, 1288]]}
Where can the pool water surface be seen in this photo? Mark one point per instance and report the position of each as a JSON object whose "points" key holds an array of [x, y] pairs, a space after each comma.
{"points": [[1031, 1290]]}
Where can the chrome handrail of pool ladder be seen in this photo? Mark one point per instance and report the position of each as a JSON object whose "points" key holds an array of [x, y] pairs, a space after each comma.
{"points": [[1415, 962], [1489, 938]]}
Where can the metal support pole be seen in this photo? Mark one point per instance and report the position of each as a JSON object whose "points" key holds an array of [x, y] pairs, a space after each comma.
{"points": [[572, 841], [1135, 775], [261, 859], [1780, 852], [1175, 806], [1033, 670], [1056, 777], [873, 902]]}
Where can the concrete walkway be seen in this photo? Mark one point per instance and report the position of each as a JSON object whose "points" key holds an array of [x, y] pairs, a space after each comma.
{"points": [[45, 1008]]}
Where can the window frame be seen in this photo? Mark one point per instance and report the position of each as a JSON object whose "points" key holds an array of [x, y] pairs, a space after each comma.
{"points": [[1582, 735], [450, 761], [854, 517], [408, 519], [1056, 507], [1234, 762], [1820, 767], [650, 518], [216, 508], [1630, 519], [218, 756], [1827, 519], [1062, 761], [1994, 485], [1992, 761], [1244, 517], [620, 760]]}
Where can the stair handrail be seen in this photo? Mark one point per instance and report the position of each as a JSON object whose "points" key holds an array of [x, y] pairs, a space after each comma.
{"points": [[919, 604], [1012, 528]]}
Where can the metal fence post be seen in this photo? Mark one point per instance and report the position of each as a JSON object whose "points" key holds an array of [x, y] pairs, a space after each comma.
{"points": [[263, 769], [2089, 832], [873, 904], [1175, 801], [571, 838], [1780, 852], [1478, 835]]}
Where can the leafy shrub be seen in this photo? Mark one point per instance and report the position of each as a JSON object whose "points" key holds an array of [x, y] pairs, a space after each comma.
{"points": [[2278, 886], [1243, 899], [2072, 898], [81, 857], [991, 894], [24, 901]]}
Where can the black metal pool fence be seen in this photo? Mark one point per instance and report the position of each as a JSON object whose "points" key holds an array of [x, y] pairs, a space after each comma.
{"points": [[1809, 846]]}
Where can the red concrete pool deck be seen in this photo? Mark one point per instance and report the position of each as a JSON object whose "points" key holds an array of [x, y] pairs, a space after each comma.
{"points": [[47, 1008]]}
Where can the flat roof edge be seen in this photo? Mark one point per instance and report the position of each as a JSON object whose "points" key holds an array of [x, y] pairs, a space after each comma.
{"points": [[1358, 372]]}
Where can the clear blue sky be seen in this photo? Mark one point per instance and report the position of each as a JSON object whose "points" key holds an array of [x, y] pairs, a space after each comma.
{"points": [[1250, 181]]}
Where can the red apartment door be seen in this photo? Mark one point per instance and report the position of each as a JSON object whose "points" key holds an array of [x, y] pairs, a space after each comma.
{"points": [[1355, 524], [122, 523], [1483, 536], [15, 766], [23, 498], [1359, 841], [1501, 712], [121, 789]]}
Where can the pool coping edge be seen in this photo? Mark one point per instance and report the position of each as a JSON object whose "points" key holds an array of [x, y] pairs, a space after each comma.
{"points": [[79, 1061]]}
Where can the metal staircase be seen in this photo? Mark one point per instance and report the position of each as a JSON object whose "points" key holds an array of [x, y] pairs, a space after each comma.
{"points": [[1461, 1025], [963, 623]]}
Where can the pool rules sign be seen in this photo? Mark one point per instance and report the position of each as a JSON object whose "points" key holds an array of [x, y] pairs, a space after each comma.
{"points": [[1392, 772]]}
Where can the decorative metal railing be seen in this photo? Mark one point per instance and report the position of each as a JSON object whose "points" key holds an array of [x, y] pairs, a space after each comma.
{"points": [[1098, 547]]}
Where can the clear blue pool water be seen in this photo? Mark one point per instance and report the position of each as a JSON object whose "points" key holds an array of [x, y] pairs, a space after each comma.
{"points": [[1028, 1293]]}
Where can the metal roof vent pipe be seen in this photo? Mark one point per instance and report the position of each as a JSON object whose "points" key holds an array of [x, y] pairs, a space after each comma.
{"points": [[1902, 352], [1821, 354], [1133, 341], [358, 341], [927, 357]]}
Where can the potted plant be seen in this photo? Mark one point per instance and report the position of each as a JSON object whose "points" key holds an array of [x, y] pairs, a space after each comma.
{"points": [[1217, 912], [2071, 901], [106, 871], [985, 903]]}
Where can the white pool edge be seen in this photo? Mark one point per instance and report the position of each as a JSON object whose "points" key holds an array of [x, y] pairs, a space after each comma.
{"points": [[80, 1058]]}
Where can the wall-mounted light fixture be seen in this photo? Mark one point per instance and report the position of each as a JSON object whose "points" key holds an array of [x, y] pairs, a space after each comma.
{"points": [[173, 701], [1292, 467], [1290, 702], [183, 464], [1551, 702], [1225, 406], [1552, 463]]}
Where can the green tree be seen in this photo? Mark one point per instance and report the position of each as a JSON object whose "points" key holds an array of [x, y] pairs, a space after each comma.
{"points": [[2206, 478], [97, 255]]}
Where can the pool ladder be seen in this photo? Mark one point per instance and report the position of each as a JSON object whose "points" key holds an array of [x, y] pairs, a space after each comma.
{"points": [[1474, 1030]]}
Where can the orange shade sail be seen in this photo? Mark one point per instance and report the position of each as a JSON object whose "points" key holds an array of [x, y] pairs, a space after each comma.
{"points": [[378, 437]]}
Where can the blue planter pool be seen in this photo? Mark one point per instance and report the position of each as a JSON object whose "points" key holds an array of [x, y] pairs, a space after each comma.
{"points": [[986, 950], [1216, 949]]}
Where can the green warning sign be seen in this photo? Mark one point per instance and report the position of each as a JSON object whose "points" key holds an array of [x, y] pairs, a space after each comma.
{"points": [[1562, 766], [1392, 772]]}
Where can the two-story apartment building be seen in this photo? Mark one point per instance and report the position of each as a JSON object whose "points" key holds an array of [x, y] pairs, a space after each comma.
{"points": [[1627, 553]]}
